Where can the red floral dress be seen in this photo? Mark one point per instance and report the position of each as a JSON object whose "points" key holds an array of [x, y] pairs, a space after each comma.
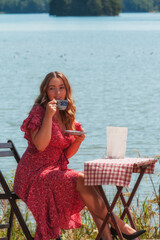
{"points": [[44, 182]]}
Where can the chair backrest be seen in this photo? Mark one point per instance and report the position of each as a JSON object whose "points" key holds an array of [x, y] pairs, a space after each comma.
{"points": [[8, 149]]}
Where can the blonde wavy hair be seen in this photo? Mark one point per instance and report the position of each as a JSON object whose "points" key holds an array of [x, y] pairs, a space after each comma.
{"points": [[68, 116]]}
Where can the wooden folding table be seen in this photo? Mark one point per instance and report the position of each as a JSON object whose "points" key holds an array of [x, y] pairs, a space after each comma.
{"points": [[117, 172]]}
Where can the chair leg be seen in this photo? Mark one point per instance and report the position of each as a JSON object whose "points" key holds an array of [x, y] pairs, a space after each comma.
{"points": [[9, 231], [20, 219], [15, 208]]}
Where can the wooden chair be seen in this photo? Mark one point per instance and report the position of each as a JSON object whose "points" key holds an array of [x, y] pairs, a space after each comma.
{"points": [[6, 150]]}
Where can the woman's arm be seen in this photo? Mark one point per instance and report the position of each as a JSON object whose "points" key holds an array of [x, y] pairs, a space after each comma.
{"points": [[42, 136], [73, 148]]}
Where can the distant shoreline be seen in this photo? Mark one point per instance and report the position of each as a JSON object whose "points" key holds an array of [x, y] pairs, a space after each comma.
{"points": [[1, 13]]}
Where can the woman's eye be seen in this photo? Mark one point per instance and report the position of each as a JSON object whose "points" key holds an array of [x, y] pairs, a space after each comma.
{"points": [[61, 87]]}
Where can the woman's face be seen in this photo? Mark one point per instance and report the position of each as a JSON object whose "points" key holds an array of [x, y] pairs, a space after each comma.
{"points": [[56, 89]]}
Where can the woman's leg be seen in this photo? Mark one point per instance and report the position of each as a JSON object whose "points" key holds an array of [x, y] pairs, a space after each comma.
{"points": [[125, 228], [106, 234], [96, 205]]}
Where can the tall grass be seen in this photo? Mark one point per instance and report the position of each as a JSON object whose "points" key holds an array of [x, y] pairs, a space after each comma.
{"points": [[146, 215]]}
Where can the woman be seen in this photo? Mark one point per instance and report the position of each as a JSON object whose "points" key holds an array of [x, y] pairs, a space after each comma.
{"points": [[54, 193]]}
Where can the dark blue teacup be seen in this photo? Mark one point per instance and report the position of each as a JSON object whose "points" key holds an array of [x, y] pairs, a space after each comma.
{"points": [[62, 104]]}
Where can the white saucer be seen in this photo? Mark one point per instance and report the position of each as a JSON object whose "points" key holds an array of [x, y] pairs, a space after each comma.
{"points": [[74, 132]]}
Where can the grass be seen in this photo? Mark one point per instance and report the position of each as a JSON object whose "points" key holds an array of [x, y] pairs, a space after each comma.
{"points": [[146, 215]]}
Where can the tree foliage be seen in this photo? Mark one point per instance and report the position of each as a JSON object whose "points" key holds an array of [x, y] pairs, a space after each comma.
{"points": [[24, 6], [157, 5], [79, 7], [140, 5], [85, 7]]}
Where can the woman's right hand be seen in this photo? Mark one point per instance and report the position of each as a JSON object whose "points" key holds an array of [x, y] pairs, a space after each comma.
{"points": [[51, 108]]}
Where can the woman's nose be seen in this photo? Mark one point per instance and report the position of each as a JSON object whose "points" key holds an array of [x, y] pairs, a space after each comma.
{"points": [[57, 91]]}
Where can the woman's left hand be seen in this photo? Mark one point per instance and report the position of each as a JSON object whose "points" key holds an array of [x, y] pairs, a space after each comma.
{"points": [[73, 148], [80, 138]]}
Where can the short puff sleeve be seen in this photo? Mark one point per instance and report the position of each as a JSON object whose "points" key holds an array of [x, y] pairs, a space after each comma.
{"points": [[33, 121]]}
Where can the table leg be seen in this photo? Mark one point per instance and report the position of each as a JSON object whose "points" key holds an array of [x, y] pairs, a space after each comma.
{"points": [[110, 213], [126, 211], [128, 203]]}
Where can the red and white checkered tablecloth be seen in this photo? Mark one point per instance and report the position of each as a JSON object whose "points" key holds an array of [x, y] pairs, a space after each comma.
{"points": [[115, 171]]}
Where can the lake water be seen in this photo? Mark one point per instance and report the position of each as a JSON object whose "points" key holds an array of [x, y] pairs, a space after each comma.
{"points": [[113, 65]]}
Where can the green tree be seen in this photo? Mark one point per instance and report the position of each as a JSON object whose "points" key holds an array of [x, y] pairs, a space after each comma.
{"points": [[24, 6], [60, 7], [107, 7], [78, 8], [157, 5], [137, 5], [85, 7], [116, 7], [95, 7]]}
